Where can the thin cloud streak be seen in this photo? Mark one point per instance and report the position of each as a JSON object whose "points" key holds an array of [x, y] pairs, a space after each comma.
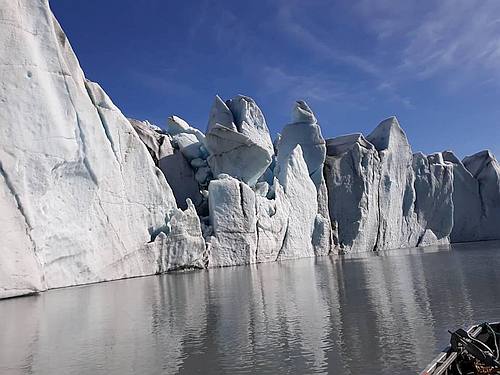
{"points": [[320, 88], [458, 36], [453, 40], [450, 41], [278, 81], [292, 26], [311, 42], [388, 88]]}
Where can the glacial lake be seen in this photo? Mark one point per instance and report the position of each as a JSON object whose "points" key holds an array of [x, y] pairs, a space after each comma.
{"points": [[374, 314]]}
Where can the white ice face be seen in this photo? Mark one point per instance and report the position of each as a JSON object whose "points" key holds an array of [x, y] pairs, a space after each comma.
{"points": [[238, 139], [87, 195], [306, 132], [80, 195]]}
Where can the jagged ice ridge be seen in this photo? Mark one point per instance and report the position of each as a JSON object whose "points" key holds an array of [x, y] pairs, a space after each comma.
{"points": [[87, 195]]}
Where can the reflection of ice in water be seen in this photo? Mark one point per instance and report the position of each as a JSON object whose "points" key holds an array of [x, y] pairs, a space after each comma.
{"points": [[277, 315], [371, 314], [331, 282], [397, 293], [179, 318], [305, 311], [96, 330], [19, 333]]}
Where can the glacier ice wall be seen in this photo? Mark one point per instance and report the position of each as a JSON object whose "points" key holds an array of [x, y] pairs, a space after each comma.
{"points": [[87, 195], [80, 196], [384, 197]]}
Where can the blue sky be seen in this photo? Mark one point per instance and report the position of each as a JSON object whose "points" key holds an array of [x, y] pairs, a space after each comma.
{"points": [[433, 64]]}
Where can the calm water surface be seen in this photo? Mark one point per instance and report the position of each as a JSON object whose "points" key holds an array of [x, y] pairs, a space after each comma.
{"points": [[378, 314]]}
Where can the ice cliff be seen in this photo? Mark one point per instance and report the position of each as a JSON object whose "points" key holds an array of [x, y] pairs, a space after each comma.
{"points": [[238, 140], [81, 199], [87, 195], [383, 196]]}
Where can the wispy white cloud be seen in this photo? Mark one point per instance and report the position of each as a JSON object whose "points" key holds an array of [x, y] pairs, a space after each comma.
{"points": [[290, 20], [388, 88], [164, 81], [387, 18], [452, 42], [291, 23], [458, 39], [278, 80], [457, 36], [317, 87], [201, 18]]}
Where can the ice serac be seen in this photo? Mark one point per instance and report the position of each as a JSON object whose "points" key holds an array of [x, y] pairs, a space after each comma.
{"points": [[466, 202], [433, 200], [174, 165], [301, 194], [379, 200], [304, 131], [153, 138], [485, 168], [78, 189], [190, 141], [352, 174], [238, 139], [396, 192], [181, 244], [176, 125], [325, 234], [273, 212], [233, 219]]}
